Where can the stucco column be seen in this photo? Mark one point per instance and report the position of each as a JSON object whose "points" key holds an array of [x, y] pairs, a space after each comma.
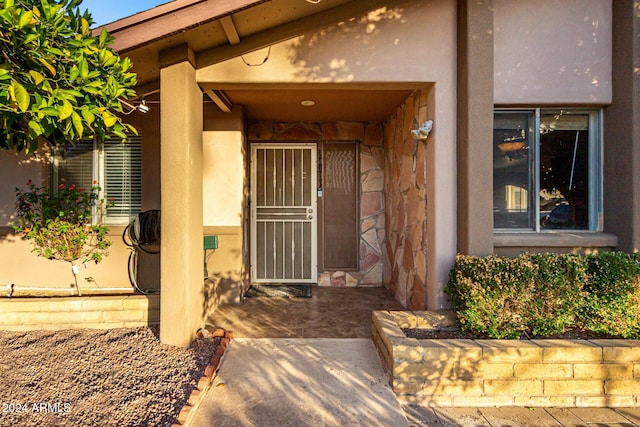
{"points": [[622, 130], [475, 127], [181, 257]]}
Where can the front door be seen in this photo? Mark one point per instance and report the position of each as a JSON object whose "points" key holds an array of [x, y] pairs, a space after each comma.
{"points": [[283, 213]]}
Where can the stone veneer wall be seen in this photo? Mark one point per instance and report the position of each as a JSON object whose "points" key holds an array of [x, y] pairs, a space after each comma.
{"points": [[405, 269], [372, 217]]}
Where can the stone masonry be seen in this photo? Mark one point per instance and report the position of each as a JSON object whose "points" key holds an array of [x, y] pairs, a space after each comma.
{"points": [[405, 272]]}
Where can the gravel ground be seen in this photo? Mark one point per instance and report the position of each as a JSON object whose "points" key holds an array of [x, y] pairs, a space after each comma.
{"points": [[122, 377]]}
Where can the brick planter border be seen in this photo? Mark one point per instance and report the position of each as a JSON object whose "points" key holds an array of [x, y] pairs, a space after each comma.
{"points": [[187, 412], [480, 373]]}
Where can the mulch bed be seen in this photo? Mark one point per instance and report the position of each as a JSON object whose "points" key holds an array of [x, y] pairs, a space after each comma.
{"points": [[575, 333]]}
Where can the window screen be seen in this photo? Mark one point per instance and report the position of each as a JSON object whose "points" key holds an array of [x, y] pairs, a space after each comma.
{"points": [[340, 193]]}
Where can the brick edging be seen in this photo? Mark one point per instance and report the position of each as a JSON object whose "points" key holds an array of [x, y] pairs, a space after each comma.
{"points": [[186, 413]]}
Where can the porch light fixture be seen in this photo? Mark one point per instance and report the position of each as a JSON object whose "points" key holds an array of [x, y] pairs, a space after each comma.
{"points": [[308, 103], [142, 107], [423, 131]]}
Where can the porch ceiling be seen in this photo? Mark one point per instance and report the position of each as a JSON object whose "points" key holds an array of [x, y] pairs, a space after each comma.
{"points": [[330, 105]]}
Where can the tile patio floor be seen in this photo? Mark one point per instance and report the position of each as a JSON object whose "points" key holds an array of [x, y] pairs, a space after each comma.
{"points": [[329, 313], [346, 313]]}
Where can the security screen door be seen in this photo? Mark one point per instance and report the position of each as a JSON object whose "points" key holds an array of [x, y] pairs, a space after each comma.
{"points": [[283, 213]]}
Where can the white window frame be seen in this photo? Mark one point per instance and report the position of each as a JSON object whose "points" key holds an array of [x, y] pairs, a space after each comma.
{"points": [[99, 174], [595, 168]]}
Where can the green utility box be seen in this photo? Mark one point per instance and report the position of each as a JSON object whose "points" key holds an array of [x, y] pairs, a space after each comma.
{"points": [[210, 242]]}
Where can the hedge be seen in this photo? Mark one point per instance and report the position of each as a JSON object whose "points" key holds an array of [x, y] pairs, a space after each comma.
{"points": [[547, 294]]}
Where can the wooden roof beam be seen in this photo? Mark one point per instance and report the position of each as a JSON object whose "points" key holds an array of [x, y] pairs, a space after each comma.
{"points": [[230, 30], [220, 99]]}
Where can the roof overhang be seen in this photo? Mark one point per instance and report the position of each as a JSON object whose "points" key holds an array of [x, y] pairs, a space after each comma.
{"points": [[218, 30], [171, 18]]}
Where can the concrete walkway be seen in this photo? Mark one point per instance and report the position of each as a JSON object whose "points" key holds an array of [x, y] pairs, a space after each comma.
{"points": [[522, 417], [311, 362], [300, 382], [274, 382]]}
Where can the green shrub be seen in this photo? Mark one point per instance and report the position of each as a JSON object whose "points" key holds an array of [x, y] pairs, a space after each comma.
{"points": [[61, 225], [538, 295], [612, 302]]}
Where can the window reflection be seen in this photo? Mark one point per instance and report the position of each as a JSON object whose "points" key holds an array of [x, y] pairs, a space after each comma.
{"points": [[564, 171], [545, 179], [512, 174]]}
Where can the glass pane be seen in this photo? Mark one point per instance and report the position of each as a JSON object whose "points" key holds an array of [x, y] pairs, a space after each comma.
{"points": [[564, 171], [513, 170]]}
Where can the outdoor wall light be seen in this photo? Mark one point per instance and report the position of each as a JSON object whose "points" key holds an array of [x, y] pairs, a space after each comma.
{"points": [[142, 107], [423, 131]]}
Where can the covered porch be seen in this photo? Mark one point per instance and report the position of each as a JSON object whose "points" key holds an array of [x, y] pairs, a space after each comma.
{"points": [[215, 97]]}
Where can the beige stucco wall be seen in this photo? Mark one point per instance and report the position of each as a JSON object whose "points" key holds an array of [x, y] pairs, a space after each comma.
{"points": [[223, 182], [223, 167], [225, 268], [148, 126], [475, 127], [182, 295], [18, 265], [552, 52], [622, 131], [15, 171], [409, 42], [23, 268]]}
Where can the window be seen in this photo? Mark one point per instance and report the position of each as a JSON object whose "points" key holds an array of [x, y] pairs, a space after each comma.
{"points": [[546, 170], [116, 166]]}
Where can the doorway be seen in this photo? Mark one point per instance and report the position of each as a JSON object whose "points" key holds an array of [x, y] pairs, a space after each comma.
{"points": [[284, 213]]}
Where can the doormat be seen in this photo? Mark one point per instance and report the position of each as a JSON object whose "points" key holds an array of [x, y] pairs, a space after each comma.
{"points": [[279, 291]]}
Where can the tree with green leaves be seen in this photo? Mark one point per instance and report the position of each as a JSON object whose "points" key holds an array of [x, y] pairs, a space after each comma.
{"points": [[59, 84]]}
